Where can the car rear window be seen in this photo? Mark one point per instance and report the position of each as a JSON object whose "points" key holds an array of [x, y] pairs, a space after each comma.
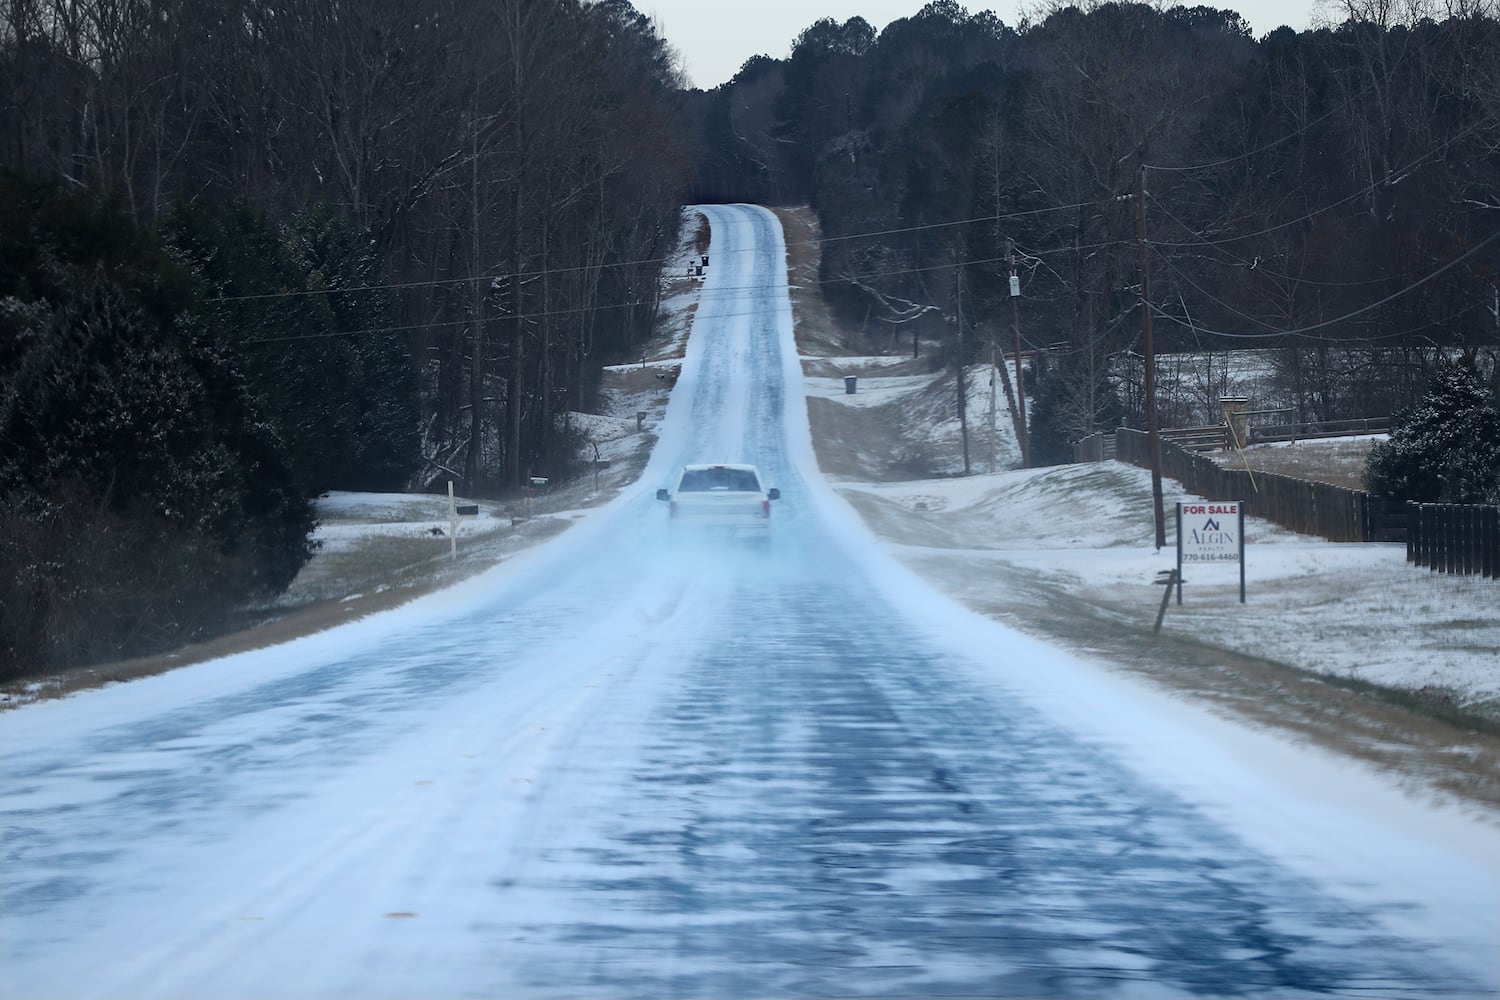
{"points": [[738, 480]]}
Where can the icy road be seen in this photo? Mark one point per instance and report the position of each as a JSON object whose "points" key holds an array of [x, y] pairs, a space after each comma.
{"points": [[616, 768]]}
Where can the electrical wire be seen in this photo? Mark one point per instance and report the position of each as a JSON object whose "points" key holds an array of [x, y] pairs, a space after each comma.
{"points": [[1346, 341], [1260, 268], [1303, 332], [1032, 253], [728, 291], [1399, 173], [638, 262], [1007, 217], [735, 291], [1226, 161]]}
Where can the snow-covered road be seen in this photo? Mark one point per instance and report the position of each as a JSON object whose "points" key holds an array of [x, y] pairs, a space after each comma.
{"points": [[616, 767]]}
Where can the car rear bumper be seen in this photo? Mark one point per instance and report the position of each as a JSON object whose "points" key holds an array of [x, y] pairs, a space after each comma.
{"points": [[713, 528]]}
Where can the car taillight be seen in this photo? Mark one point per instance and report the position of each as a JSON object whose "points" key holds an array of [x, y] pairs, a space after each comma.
{"points": [[672, 509], [765, 508]]}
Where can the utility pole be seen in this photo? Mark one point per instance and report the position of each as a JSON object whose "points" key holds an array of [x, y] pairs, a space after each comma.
{"points": [[963, 419], [994, 391], [1153, 438], [1015, 329], [474, 454]]}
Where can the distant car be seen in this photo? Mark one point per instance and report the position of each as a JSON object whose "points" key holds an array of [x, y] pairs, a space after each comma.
{"points": [[722, 500]]}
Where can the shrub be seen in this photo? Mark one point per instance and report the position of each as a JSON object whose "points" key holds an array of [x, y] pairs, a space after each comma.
{"points": [[85, 582], [1446, 449], [144, 494]]}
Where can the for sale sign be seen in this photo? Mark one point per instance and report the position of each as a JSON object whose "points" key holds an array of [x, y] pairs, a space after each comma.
{"points": [[1211, 531]]}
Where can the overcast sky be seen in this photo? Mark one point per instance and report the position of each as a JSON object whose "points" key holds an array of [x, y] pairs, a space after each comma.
{"points": [[715, 37]]}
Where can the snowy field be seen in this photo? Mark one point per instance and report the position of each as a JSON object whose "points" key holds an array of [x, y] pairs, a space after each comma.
{"points": [[1349, 610], [346, 520]]}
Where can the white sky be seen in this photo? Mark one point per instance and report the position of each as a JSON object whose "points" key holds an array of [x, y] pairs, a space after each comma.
{"points": [[716, 38]]}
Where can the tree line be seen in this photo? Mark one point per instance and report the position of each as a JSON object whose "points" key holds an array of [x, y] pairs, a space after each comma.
{"points": [[1328, 198], [254, 251]]}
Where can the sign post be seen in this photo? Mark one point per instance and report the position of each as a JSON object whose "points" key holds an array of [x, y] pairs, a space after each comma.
{"points": [[1212, 531], [532, 482], [457, 513]]}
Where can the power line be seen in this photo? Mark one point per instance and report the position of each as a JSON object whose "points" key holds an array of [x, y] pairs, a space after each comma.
{"points": [[1258, 267], [1038, 254], [1302, 332], [787, 286], [637, 262], [723, 290], [1193, 168], [1348, 341], [1399, 172], [1007, 217]]}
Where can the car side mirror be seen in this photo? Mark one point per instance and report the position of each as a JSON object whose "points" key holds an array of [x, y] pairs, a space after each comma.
{"points": [[773, 494], [663, 495]]}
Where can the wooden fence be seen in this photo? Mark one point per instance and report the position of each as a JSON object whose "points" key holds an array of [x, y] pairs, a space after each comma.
{"points": [[1095, 448], [1454, 538], [1332, 512], [1213, 438], [1265, 433], [1447, 538]]}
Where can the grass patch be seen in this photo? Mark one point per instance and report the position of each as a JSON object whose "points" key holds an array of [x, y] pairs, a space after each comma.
{"points": [[817, 332], [1336, 462]]}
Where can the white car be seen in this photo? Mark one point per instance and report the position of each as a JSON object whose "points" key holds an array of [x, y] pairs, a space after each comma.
{"points": [[722, 500]]}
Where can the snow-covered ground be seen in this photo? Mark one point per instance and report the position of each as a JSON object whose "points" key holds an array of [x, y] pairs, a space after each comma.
{"points": [[1347, 610], [1351, 611], [1355, 611], [614, 766], [348, 519]]}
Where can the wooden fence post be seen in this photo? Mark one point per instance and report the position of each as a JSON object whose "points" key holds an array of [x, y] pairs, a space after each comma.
{"points": [[1468, 524], [1419, 533], [1432, 530], [1493, 550], [1453, 537], [1413, 532]]}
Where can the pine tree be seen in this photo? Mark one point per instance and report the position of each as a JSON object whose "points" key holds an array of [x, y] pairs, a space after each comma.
{"points": [[379, 443], [144, 496], [1446, 449]]}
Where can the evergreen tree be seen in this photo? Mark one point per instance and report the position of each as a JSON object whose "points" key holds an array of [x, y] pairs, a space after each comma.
{"points": [[378, 444], [331, 370], [256, 304], [1072, 402], [143, 494], [1446, 449]]}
